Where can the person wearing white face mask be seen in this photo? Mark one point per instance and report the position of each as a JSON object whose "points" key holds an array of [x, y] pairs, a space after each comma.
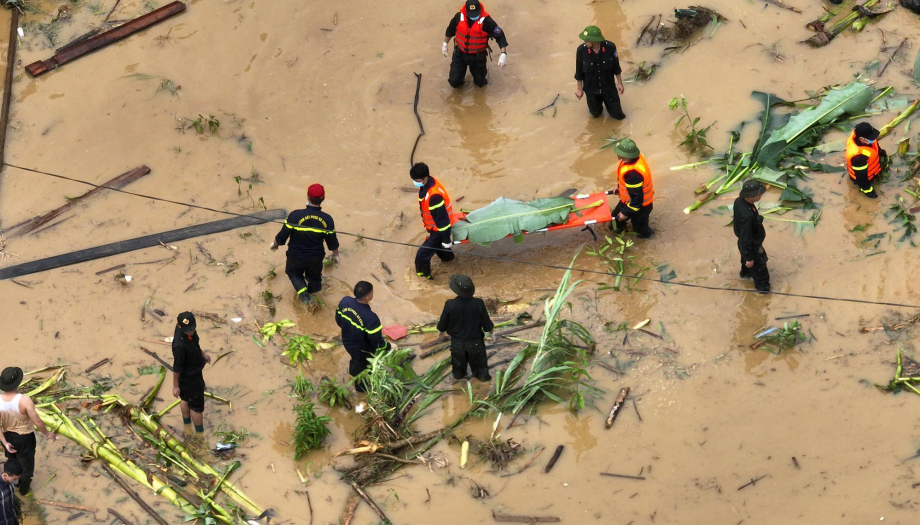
{"points": [[471, 28], [865, 159], [437, 217]]}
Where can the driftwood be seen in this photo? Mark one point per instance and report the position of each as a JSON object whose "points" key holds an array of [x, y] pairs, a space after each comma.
{"points": [[120, 517], [8, 81], [97, 365], [554, 459], [624, 476], [507, 518], [147, 508], [37, 222], [891, 58], [139, 243], [350, 506], [74, 52], [67, 505], [107, 270], [615, 410], [421, 127], [367, 499], [155, 356]]}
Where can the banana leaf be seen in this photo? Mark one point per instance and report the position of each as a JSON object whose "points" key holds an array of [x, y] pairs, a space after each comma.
{"points": [[917, 69], [510, 217], [851, 99], [769, 120], [771, 177]]}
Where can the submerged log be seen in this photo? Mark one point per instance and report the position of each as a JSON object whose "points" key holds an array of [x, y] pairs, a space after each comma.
{"points": [[74, 52]]}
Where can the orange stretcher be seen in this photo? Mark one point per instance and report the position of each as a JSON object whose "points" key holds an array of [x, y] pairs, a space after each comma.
{"points": [[594, 215]]}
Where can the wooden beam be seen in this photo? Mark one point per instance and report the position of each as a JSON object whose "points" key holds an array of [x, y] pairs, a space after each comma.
{"points": [[139, 243], [8, 81], [41, 67], [35, 223]]}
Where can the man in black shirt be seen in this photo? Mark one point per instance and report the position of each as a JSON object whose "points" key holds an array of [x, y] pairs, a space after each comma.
{"points": [[471, 29], [188, 362], [362, 334], [748, 224], [597, 70], [10, 507], [307, 230], [466, 320]]}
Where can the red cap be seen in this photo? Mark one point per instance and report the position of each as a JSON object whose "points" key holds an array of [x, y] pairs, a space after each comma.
{"points": [[316, 191]]}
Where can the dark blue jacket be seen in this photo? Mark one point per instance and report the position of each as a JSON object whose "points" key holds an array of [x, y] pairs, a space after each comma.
{"points": [[362, 334], [307, 230]]}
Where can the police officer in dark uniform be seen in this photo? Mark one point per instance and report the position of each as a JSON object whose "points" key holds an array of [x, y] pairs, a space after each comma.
{"points": [[471, 29], [598, 73], [748, 224], [307, 230], [188, 362], [361, 330]]}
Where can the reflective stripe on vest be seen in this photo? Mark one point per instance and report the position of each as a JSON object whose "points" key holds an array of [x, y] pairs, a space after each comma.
{"points": [[470, 37], [870, 152], [640, 166], [424, 206]]}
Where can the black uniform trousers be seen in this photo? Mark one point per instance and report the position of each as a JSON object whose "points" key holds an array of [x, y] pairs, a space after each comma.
{"points": [[759, 271], [610, 98], [430, 248], [639, 220], [863, 181], [305, 273], [24, 445], [472, 354], [477, 64], [191, 390], [359, 363]]}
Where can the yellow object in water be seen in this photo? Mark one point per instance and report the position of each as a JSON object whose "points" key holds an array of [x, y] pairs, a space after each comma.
{"points": [[464, 453]]}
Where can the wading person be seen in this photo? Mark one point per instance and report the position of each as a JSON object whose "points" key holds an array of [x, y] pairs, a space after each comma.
{"points": [[307, 230], [466, 320], [748, 224], [362, 334], [188, 362], [18, 421], [471, 30], [865, 160], [437, 218], [598, 74], [634, 185], [9, 506]]}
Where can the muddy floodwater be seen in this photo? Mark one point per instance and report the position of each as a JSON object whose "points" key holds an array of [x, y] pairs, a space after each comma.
{"points": [[309, 91]]}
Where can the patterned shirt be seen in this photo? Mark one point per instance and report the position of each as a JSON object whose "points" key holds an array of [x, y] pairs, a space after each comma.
{"points": [[9, 505]]}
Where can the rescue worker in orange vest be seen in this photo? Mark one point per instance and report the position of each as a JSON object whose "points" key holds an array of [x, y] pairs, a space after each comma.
{"points": [[634, 186], [865, 160], [436, 209], [471, 29]]}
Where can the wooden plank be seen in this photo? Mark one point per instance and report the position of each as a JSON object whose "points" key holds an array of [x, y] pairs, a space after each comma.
{"points": [[8, 81], [34, 223], [139, 243], [41, 67]]}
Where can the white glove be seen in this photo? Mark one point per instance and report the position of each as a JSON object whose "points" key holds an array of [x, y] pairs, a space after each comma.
{"points": [[446, 245], [502, 60], [444, 49]]}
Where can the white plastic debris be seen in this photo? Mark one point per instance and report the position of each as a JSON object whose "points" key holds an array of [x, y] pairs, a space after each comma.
{"points": [[22, 33], [360, 408], [236, 319], [128, 278]]}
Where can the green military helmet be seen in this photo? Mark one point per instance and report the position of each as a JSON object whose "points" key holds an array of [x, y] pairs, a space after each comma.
{"points": [[626, 148], [592, 34]]}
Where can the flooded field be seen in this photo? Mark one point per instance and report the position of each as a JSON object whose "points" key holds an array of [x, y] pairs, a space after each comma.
{"points": [[323, 92]]}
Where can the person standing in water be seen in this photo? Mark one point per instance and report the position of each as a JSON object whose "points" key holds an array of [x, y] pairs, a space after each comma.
{"points": [[18, 421]]}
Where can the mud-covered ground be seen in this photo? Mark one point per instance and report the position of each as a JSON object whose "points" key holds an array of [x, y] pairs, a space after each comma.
{"points": [[322, 92]]}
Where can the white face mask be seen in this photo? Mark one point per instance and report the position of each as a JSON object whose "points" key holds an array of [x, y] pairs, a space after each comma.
{"points": [[417, 184]]}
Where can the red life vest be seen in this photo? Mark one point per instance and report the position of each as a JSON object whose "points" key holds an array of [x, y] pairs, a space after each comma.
{"points": [[425, 202], [640, 166], [870, 152], [470, 37]]}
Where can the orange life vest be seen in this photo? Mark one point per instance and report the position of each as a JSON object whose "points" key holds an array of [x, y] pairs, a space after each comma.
{"points": [[640, 166], [424, 205], [470, 37], [870, 152]]}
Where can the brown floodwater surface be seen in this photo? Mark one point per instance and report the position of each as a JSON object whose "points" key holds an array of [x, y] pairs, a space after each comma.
{"points": [[322, 92]]}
